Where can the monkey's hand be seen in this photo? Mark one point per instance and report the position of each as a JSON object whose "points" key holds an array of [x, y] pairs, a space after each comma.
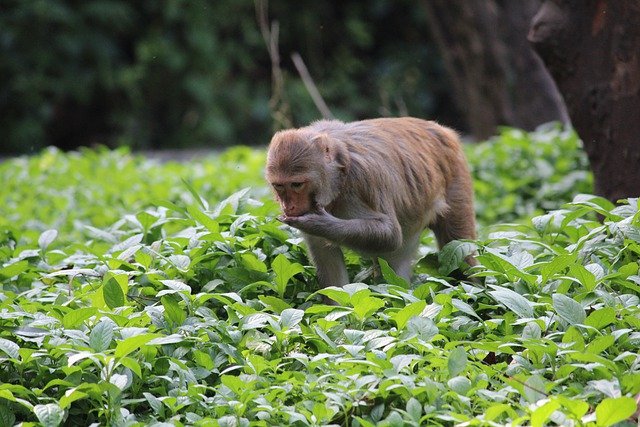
{"points": [[313, 222]]}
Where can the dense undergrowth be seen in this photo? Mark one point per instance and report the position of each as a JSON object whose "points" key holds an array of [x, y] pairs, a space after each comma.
{"points": [[140, 293]]}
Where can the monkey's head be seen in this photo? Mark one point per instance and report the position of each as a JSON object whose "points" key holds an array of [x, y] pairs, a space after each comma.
{"points": [[306, 170]]}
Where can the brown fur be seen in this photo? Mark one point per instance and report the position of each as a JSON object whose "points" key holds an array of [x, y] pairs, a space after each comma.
{"points": [[374, 185]]}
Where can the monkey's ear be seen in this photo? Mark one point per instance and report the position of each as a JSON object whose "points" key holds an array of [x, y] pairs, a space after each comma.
{"points": [[335, 152]]}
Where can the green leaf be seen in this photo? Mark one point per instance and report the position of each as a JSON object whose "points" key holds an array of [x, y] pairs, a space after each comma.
{"points": [[276, 304], [284, 271], [7, 418], [541, 414], [457, 361], [10, 348], [290, 317], [366, 306], [569, 309], [584, 276], [402, 316], [50, 415], [513, 301], [601, 318], [172, 310], [8, 271], [46, 238], [414, 409], [204, 219], [534, 389], [422, 327], [102, 335], [556, 265], [112, 293], [613, 410], [460, 385], [452, 255], [130, 344], [251, 261], [600, 344], [390, 276], [201, 200], [75, 317]]}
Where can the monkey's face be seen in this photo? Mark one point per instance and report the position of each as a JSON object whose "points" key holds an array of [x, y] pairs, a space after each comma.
{"points": [[295, 172], [294, 195]]}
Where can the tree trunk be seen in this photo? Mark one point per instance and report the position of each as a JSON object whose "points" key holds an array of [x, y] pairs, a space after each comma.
{"points": [[592, 49], [496, 77]]}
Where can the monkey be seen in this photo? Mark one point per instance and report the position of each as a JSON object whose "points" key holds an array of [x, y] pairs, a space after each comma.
{"points": [[372, 186]]}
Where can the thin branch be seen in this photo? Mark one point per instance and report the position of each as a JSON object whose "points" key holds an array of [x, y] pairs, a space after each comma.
{"points": [[311, 86], [278, 104]]}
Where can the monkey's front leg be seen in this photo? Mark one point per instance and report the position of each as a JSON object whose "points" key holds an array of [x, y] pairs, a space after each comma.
{"points": [[371, 232]]}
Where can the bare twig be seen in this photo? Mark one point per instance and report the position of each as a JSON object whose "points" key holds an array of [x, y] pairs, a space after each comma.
{"points": [[311, 86], [280, 110]]}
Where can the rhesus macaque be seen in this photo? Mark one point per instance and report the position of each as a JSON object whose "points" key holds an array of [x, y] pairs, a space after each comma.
{"points": [[372, 186]]}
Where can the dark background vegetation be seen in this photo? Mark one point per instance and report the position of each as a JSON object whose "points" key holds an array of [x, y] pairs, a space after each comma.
{"points": [[198, 73], [158, 74]]}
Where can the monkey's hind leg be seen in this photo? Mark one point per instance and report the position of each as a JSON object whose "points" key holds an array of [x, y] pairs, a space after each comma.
{"points": [[458, 222]]}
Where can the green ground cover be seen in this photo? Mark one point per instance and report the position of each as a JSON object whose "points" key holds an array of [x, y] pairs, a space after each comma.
{"points": [[134, 292]]}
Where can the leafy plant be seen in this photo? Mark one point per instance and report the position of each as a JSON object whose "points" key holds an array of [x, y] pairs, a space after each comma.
{"points": [[148, 302]]}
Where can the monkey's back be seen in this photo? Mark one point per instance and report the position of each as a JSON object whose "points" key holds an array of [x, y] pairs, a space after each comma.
{"points": [[407, 160]]}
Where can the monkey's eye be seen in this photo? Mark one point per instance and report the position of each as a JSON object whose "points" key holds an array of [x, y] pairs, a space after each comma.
{"points": [[297, 185], [278, 187]]}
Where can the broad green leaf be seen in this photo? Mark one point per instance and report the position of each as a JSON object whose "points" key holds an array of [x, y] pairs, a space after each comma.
{"points": [[130, 344], [531, 331], [513, 301], [390, 276], [172, 311], [201, 200], [75, 317], [584, 276], [541, 414], [569, 309], [365, 307], [575, 406], [402, 316], [181, 262], [254, 321], [452, 255], [511, 267], [10, 348], [460, 385], [203, 359], [284, 271], [204, 219], [290, 318], [556, 265], [601, 318], [600, 344], [102, 335], [613, 410], [46, 238], [534, 388], [422, 327], [275, 303], [251, 261], [154, 403], [50, 415], [133, 365], [414, 409], [112, 293], [7, 417], [465, 308], [457, 361], [14, 269]]}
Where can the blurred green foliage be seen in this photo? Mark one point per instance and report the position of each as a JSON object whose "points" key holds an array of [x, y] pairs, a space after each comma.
{"points": [[176, 73]]}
